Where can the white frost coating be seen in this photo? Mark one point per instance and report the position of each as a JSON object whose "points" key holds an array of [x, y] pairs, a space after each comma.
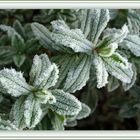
{"points": [[32, 111], [116, 35], [72, 38], [78, 73], [43, 74], [93, 22], [13, 83], [66, 104], [85, 112], [119, 71], [101, 72], [132, 43]]}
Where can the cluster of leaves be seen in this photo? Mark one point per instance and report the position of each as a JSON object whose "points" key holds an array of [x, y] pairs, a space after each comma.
{"points": [[54, 66]]}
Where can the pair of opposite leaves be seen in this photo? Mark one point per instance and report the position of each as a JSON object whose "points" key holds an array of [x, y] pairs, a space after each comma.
{"points": [[27, 110]]}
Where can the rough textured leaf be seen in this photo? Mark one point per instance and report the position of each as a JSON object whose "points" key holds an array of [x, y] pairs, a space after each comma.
{"points": [[74, 71], [132, 43], [112, 35], [93, 22], [43, 35], [43, 74], [119, 68], [13, 83], [71, 38], [66, 104], [17, 113], [32, 111], [101, 72]]}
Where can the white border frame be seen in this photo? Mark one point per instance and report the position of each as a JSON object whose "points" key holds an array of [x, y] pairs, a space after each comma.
{"points": [[108, 135]]}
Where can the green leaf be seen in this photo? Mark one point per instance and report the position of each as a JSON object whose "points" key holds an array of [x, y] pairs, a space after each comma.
{"points": [[84, 112], [128, 111], [17, 42], [31, 46], [90, 97], [107, 51], [113, 84], [101, 72], [74, 71], [93, 22], [127, 86], [19, 28], [43, 35], [32, 111], [66, 104], [10, 31], [19, 60], [13, 83], [71, 38], [43, 74], [6, 55], [132, 43], [17, 113]]}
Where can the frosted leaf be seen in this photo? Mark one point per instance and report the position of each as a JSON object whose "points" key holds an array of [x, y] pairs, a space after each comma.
{"points": [[127, 86], [101, 72], [93, 22], [132, 43], [43, 74], [66, 104], [13, 83], [118, 60], [115, 35], [119, 68], [133, 19], [71, 38], [85, 111], [74, 71], [43, 35], [32, 111], [17, 113], [113, 84], [10, 31], [7, 125]]}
